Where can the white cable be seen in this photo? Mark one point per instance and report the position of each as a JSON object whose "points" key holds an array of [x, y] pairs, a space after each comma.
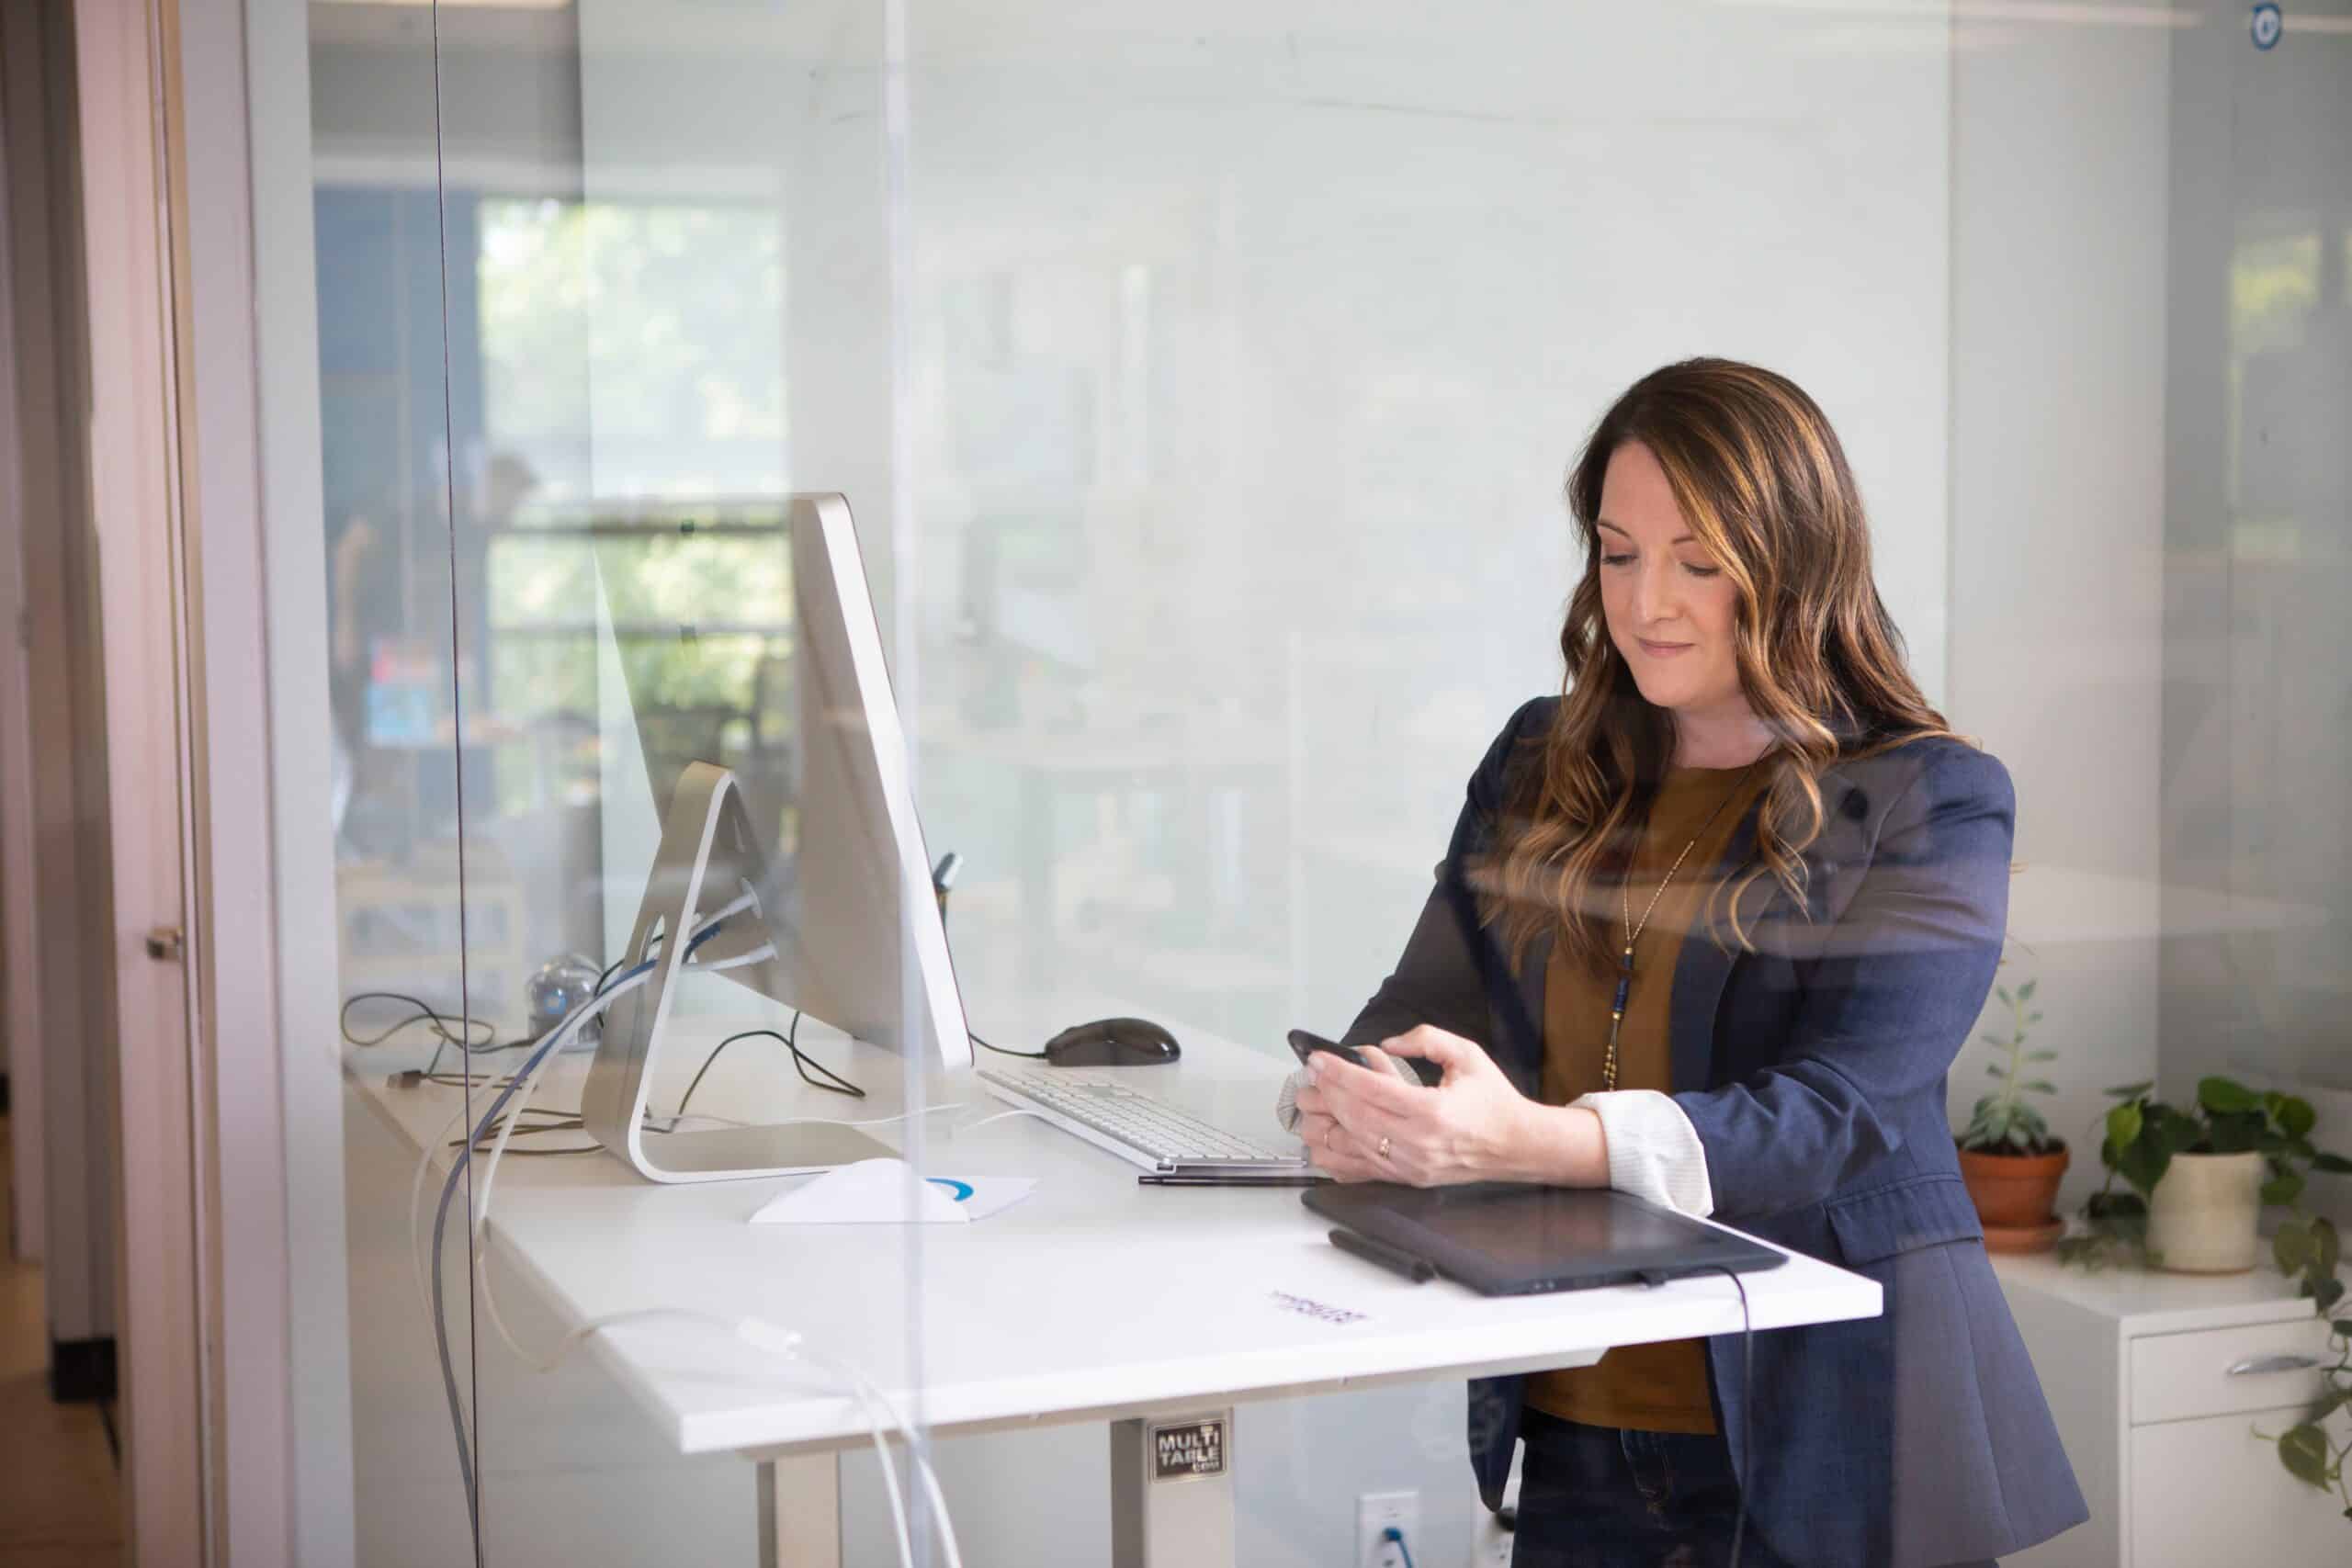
{"points": [[579, 1335], [480, 1237], [417, 1260], [542, 1048], [889, 1483], [757, 955], [939, 1510], [915, 1457], [572, 1021], [747, 899], [751, 1331], [416, 1248], [999, 1116], [881, 1415], [874, 1122], [477, 1235]]}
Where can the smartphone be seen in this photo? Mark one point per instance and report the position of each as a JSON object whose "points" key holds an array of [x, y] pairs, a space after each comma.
{"points": [[1306, 1045]]}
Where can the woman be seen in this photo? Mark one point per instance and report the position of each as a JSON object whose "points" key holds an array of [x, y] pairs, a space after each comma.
{"points": [[1714, 925]]}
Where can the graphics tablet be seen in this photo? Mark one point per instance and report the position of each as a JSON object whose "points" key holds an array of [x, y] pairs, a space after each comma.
{"points": [[1507, 1239]]}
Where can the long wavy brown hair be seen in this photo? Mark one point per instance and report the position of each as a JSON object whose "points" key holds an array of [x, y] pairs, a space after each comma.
{"points": [[1763, 485]]}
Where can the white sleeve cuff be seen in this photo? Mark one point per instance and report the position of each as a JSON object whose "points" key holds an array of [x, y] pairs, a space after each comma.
{"points": [[1286, 1101], [1653, 1150]]}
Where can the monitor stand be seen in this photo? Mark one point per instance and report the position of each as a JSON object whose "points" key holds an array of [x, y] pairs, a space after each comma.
{"points": [[709, 859]]}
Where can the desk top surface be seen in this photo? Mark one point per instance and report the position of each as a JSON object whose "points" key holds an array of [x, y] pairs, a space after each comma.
{"points": [[1093, 1297]]}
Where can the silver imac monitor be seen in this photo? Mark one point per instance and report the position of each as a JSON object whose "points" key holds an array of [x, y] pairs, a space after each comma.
{"points": [[842, 924]]}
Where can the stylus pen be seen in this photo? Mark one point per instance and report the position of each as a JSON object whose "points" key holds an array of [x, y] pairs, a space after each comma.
{"points": [[1419, 1270], [1197, 1180]]}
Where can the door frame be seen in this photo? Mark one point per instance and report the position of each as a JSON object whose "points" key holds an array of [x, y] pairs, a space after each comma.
{"points": [[236, 81], [137, 449]]}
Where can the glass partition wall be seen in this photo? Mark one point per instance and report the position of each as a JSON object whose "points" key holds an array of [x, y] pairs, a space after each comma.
{"points": [[418, 1008], [556, 420], [1200, 386]]}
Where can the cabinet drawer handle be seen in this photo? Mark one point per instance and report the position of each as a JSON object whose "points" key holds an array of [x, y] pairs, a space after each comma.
{"points": [[2254, 1365]]}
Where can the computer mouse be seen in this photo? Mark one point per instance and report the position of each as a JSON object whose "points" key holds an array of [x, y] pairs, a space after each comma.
{"points": [[1111, 1043]]}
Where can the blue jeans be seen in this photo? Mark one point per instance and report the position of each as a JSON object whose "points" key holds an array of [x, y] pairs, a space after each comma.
{"points": [[1598, 1497]]}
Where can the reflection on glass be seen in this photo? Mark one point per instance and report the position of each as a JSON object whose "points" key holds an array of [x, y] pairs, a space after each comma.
{"points": [[673, 313], [1243, 362], [2286, 975]]}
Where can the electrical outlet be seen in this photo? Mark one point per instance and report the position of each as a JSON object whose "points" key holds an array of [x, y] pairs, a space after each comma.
{"points": [[1490, 1544], [1376, 1513]]}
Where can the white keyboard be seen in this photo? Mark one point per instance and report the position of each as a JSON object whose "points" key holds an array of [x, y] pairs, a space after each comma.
{"points": [[1133, 1125]]}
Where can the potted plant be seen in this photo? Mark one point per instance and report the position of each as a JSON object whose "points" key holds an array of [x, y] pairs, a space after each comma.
{"points": [[2008, 1159], [2199, 1177], [2150, 1143]]}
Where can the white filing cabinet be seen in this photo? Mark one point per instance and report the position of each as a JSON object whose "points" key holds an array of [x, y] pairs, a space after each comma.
{"points": [[2159, 1382]]}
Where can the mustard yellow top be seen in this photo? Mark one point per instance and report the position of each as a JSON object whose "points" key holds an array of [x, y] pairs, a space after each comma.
{"points": [[1662, 1387]]}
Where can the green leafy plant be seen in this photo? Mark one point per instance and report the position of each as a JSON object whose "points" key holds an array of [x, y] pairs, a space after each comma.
{"points": [[2143, 1134], [2004, 1121], [2308, 1245]]}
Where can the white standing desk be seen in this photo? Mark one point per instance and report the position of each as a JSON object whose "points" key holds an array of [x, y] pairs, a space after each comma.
{"points": [[1093, 1299]]}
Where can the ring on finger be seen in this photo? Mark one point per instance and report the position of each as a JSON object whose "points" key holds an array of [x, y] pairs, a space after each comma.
{"points": [[1384, 1149], [1333, 1133]]}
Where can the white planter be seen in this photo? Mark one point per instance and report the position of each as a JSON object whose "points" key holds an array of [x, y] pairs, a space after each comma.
{"points": [[2201, 1216]]}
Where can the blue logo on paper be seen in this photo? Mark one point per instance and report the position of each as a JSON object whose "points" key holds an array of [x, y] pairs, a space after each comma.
{"points": [[2266, 25], [961, 1190]]}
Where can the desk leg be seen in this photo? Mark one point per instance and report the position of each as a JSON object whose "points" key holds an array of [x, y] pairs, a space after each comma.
{"points": [[1171, 1491], [801, 1512]]}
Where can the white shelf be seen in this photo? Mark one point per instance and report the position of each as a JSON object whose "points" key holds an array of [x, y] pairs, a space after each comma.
{"points": [[2145, 1300]]}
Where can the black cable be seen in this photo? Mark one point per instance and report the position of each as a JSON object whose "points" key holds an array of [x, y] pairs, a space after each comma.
{"points": [[801, 1063], [1746, 1408], [560, 1121], [1030, 1055], [425, 1012], [458, 1080], [943, 877], [433, 1065]]}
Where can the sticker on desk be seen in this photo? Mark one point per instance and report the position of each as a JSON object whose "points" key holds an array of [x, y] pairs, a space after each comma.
{"points": [[1185, 1450], [1338, 1317]]}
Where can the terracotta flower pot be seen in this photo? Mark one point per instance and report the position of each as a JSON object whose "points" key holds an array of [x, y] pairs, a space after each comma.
{"points": [[2016, 1197], [2201, 1216]]}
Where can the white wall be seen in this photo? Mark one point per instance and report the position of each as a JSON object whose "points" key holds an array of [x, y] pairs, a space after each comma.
{"points": [[2058, 323]]}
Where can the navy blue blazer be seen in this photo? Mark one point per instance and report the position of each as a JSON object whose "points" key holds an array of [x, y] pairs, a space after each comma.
{"points": [[1919, 1436]]}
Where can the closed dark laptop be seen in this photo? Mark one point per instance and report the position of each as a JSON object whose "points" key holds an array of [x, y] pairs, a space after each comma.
{"points": [[1505, 1239]]}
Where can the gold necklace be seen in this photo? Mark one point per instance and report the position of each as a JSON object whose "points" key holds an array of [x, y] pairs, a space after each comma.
{"points": [[1634, 932]]}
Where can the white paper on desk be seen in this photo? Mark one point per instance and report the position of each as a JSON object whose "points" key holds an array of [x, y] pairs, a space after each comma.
{"points": [[887, 1191]]}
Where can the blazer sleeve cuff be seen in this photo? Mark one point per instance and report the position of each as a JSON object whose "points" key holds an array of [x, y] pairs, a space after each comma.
{"points": [[1654, 1151]]}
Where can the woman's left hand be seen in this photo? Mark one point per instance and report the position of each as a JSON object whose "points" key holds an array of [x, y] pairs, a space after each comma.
{"points": [[1362, 1124]]}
